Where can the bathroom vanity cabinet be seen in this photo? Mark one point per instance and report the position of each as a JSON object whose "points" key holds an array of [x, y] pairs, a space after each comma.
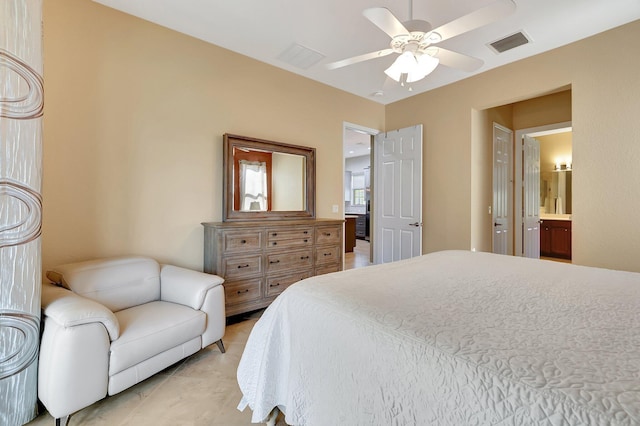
{"points": [[555, 238]]}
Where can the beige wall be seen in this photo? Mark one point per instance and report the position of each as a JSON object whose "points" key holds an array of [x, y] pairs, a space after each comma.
{"points": [[556, 147], [135, 114], [134, 118], [606, 134]]}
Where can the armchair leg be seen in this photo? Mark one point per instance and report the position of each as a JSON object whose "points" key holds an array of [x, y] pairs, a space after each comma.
{"points": [[220, 346], [63, 421]]}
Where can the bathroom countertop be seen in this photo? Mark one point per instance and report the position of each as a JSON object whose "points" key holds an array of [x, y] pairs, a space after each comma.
{"points": [[550, 216]]}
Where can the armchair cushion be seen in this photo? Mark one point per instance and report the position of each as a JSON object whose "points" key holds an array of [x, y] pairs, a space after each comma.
{"points": [[117, 283], [184, 286], [150, 329], [69, 310]]}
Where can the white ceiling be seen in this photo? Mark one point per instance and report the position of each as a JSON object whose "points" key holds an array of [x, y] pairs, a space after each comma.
{"points": [[264, 29], [356, 144]]}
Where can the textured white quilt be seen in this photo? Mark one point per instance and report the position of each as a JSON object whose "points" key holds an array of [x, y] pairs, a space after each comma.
{"points": [[450, 338]]}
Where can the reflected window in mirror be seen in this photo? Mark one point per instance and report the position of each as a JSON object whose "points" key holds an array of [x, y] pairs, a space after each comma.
{"points": [[252, 191]]}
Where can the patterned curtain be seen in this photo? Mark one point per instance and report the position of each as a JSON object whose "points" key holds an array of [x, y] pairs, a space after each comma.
{"points": [[21, 106]]}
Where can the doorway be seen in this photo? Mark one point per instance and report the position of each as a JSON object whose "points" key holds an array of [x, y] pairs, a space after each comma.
{"points": [[357, 186], [553, 193]]}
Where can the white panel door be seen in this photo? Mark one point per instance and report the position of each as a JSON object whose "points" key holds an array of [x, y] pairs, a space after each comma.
{"points": [[531, 197], [397, 201], [502, 190]]}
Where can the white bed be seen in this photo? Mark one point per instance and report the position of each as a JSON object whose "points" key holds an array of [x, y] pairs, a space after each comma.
{"points": [[450, 338]]}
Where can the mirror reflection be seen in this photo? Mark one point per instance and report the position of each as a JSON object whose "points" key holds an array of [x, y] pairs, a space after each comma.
{"points": [[268, 181], [556, 173], [555, 191]]}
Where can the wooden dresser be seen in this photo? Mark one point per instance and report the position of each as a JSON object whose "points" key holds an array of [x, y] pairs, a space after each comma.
{"points": [[258, 260]]}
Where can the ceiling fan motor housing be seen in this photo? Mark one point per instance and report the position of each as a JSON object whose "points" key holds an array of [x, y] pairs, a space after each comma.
{"points": [[419, 39]]}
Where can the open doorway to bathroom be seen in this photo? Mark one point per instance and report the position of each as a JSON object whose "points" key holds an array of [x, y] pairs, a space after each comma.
{"points": [[555, 206]]}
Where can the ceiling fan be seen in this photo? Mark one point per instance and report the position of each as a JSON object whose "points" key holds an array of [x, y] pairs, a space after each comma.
{"points": [[416, 42]]}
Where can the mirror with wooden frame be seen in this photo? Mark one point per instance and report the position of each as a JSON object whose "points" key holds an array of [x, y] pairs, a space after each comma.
{"points": [[267, 180]]}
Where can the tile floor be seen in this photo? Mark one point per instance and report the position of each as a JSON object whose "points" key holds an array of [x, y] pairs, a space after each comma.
{"points": [[200, 390]]}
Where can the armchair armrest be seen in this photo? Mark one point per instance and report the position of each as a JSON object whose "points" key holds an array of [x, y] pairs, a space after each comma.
{"points": [[69, 309], [185, 286]]}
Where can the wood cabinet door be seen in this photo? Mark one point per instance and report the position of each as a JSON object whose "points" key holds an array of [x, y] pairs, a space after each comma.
{"points": [[545, 240], [561, 241]]}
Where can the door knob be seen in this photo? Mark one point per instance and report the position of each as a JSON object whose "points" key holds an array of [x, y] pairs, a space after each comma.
{"points": [[416, 224], [496, 224]]}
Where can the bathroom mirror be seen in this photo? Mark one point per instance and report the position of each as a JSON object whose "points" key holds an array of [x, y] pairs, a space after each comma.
{"points": [[556, 192], [267, 180]]}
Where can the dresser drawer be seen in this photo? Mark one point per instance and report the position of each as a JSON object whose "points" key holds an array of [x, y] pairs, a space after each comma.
{"points": [[241, 241], [329, 235], [326, 255], [327, 269], [277, 284], [289, 238], [299, 259], [242, 291], [241, 266]]}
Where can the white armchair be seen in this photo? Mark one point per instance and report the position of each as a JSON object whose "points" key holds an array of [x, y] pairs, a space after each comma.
{"points": [[111, 323]]}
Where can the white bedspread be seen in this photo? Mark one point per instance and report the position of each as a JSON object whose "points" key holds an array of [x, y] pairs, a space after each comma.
{"points": [[450, 338]]}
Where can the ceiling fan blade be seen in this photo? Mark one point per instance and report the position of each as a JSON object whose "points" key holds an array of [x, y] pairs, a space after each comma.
{"points": [[359, 58], [385, 20], [458, 60], [479, 18]]}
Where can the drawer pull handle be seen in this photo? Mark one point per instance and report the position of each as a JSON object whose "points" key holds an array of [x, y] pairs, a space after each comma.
{"points": [[274, 285], [275, 243], [306, 241], [246, 290], [304, 257], [327, 254], [243, 266], [243, 241], [306, 232], [275, 234], [274, 261], [327, 234]]}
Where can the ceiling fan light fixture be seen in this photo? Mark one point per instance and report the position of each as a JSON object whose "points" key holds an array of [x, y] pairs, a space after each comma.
{"points": [[409, 68], [427, 63], [403, 64]]}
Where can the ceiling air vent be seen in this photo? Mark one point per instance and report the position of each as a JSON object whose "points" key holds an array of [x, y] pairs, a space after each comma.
{"points": [[300, 56], [509, 42]]}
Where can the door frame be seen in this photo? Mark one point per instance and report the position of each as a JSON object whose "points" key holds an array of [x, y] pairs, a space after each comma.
{"points": [[518, 149], [346, 126]]}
